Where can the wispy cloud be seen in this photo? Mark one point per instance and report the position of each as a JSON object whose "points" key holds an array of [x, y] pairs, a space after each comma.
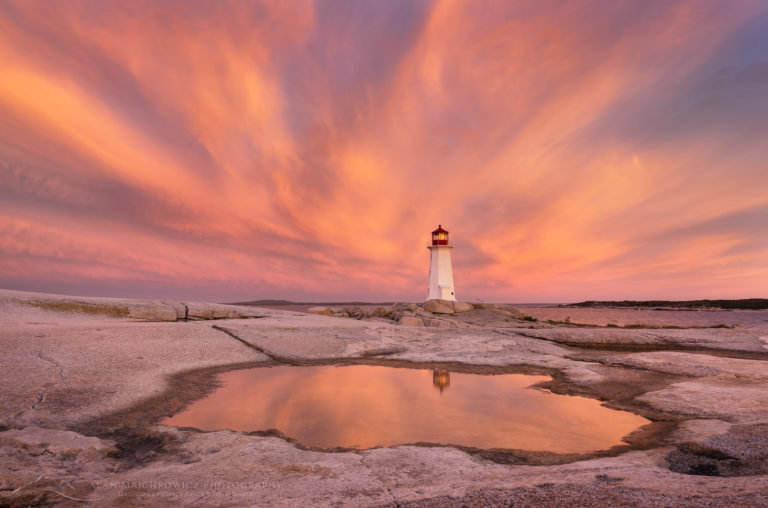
{"points": [[305, 149]]}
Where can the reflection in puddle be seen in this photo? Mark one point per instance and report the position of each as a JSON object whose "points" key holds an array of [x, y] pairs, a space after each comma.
{"points": [[363, 406], [441, 379]]}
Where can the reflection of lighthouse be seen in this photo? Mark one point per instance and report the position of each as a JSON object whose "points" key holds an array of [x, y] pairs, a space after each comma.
{"points": [[440, 269], [441, 379]]}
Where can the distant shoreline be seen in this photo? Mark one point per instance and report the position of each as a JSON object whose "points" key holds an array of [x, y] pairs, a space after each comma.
{"points": [[287, 303], [744, 304]]}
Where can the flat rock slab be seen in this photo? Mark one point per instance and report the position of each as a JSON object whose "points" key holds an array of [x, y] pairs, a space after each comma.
{"points": [[66, 371], [125, 308], [749, 319], [695, 365], [205, 311], [731, 401], [308, 337], [709, 338], [236, 469], [62, 443]]}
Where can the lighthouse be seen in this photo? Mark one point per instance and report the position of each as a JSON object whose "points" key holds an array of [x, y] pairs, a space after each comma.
{"points": [[440, 269]]}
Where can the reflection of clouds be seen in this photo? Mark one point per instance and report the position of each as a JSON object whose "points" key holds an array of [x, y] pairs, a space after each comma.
{"points": [[368, 406], [252, 145]]}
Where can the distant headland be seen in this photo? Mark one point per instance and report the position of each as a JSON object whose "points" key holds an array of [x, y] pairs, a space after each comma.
{"points": [[747, 303]]}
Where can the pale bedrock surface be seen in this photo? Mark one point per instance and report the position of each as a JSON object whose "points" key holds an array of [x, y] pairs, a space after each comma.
{"points": [[64, 365], [754, 319], [62, 443], [733, 401], [61, 369], [321, 337], [272, 472], [307, 336], [729, 389], [233, 469], [710, 338], [695, 365], [125, 308]]}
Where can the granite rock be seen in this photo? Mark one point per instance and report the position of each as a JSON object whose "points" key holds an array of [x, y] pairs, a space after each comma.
{"points": [[320, 311], [411, 321], [62, 443], [439, 306]]}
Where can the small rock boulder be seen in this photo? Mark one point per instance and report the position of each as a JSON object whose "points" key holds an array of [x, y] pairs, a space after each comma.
{"points": [[356, 312], [462, 306], [411, 321], [384, 312], [439, 306], [320, 311], [62, 443], [440, 323]]}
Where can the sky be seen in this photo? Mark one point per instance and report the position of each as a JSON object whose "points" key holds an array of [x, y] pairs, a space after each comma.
{"points": [[301, 150]]}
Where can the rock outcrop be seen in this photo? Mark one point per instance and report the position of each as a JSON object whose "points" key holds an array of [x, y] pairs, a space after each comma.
{"points": [[499, 307], [447, 306], [411, 321], [462, 306], [61, 443], [132, 309], [320, 310], [439, 306]]}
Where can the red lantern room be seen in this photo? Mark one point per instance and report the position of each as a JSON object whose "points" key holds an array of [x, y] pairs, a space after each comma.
{"points": [[439, 236]]}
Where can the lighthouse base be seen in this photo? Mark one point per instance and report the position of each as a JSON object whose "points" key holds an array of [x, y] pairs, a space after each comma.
{"points": [[442, 292]]}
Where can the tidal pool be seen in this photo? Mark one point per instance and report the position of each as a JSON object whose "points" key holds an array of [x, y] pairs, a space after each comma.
{"points": [[362, 406]]}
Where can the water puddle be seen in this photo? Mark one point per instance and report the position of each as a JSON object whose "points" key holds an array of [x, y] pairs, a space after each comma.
{"points": [[362, 406]]}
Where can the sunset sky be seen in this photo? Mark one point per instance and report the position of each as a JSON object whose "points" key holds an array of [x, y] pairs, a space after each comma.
{"points": [[304, 150]]}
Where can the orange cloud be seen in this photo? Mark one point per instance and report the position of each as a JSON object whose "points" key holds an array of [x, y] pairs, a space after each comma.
{"points": [[305, 150]]}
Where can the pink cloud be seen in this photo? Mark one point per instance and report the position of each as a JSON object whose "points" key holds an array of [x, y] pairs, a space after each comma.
{"points": [[306, 150]]}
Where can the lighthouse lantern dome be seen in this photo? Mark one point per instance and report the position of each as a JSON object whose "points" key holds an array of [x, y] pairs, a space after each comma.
{"points": [[439, 236]]}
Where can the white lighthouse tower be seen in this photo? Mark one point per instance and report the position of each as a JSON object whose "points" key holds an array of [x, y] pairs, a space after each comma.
{"points": [[440, 269]]}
